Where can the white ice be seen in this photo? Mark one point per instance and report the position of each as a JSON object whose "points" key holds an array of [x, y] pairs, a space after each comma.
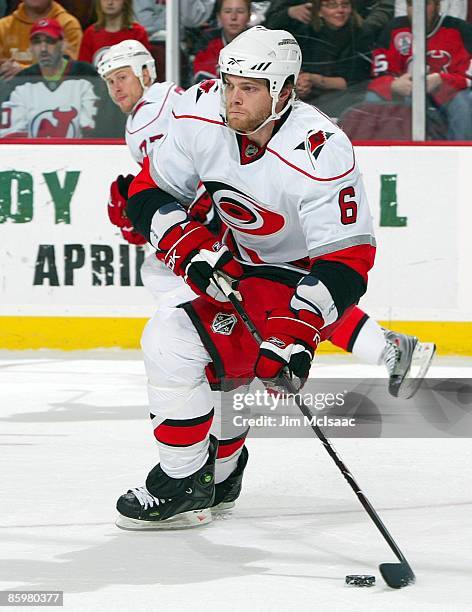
{"points": [[74, 435]]}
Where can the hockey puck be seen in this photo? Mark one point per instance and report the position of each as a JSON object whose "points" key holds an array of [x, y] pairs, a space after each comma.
{"points": [[360, 580]]}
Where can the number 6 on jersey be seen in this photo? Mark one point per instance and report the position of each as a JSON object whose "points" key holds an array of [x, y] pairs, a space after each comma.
{"points": [[348, 206]]}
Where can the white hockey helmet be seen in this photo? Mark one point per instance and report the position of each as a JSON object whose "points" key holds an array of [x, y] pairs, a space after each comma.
{"points": [[260, 53], [128, 53]]}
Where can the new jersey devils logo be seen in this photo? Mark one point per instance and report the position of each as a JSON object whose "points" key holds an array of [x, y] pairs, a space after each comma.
{"points": [[54, 123], [242, 213], [438, 60]]}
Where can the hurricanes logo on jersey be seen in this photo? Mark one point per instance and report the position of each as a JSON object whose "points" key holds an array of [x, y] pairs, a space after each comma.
{"points": [[205, 87], [315, 141], [242, 213]]}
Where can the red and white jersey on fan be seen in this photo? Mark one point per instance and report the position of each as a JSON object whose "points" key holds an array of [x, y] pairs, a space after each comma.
{"points": [[300, 196], [60, 110], [149, 120]]}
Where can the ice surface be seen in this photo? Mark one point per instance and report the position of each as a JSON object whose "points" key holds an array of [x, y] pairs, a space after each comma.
{"points": [[74, 435]]}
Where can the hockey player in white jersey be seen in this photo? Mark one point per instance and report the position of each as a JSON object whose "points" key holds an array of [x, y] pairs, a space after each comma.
{"points": [[130, 73], [284, 180], [129, 70]]}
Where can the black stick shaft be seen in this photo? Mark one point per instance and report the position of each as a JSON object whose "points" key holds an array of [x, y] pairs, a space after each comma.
{"points": [[318, 431]]}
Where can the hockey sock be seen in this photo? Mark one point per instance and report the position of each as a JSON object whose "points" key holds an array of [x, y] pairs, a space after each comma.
{"points": [[183, 461], [183, 444], [370, 342], [227, 457]]}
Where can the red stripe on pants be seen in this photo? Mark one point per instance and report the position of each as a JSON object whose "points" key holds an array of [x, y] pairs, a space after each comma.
{"points": [[226, 450], [182, 435]]}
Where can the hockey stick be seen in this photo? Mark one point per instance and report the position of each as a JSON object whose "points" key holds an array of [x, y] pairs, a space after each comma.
{"points": [[396, 575]]}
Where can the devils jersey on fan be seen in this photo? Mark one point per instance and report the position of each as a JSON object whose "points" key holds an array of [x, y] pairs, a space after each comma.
{"points": [[295, 200], [149, 120], [449, 53], [38, 108]]}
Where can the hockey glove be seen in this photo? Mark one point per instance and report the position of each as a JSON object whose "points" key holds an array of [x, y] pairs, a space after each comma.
{"points": [[116, 209], [132, 236], [192, 251], [290, 342]]}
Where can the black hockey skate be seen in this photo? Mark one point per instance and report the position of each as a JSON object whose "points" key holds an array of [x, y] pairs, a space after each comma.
{"points": [[228, 491], [407, 361], [170, 503]]}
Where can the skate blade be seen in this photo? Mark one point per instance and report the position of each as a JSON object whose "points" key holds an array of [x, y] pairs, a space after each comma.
{"points": [[222, 508], [185, 520], [420, 362]]}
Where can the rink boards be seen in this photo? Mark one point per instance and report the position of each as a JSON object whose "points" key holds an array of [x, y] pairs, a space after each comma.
{"points": [[69, 281]]}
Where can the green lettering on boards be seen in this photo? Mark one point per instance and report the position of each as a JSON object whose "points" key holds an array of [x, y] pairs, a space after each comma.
{"points": [[388, 202], [16, 196], [62, 194]]}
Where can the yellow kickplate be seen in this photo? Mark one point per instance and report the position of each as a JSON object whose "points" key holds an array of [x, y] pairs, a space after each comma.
{"points": [[77, 333]]}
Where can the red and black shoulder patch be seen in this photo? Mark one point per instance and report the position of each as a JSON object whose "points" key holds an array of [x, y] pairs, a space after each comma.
{"points": [[205, 87], [315, 141]]}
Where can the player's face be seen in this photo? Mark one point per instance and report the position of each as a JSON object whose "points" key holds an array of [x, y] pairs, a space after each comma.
{"points": [[125, 88], [233, 17], [248, 102], [111, 8], [47, 51], [335, 13]]}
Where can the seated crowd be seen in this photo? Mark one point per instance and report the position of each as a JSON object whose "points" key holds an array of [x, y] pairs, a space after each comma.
{"points": [[356, 60]]}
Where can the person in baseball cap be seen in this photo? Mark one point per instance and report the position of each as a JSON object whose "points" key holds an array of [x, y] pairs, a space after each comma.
{"points": [[47, 46], [48, 27]]}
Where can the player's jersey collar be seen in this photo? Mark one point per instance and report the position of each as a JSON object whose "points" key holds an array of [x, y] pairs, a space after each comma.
{"points": [[249, 151]]}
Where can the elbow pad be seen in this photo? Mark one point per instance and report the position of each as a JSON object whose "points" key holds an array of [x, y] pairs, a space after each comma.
{"points": [[142, 207], [329, 289]]}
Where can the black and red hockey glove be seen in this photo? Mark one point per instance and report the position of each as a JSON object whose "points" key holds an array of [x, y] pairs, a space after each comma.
{"points": [[192, 251], [116, 209], [290, 342]]}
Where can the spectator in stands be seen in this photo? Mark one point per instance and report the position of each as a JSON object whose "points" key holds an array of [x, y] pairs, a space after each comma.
{"points": [[448, 56], [15, 53], [82, 9], [152, 14], [114, 24], [335, 51], [289, 14], [47, 101], [233, 17]]}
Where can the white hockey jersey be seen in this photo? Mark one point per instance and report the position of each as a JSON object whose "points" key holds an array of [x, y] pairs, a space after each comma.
{"points": [[300, 196], [40, 111], [145, 126], [149, 120]]}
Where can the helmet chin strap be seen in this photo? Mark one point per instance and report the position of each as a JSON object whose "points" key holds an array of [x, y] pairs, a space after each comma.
{"points": [[272, 117]]}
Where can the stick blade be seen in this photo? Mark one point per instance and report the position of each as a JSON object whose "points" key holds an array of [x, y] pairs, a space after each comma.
{"points": [[397, 575]]}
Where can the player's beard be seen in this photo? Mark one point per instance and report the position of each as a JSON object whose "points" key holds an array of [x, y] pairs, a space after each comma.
{"points": [[248, 122]]}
